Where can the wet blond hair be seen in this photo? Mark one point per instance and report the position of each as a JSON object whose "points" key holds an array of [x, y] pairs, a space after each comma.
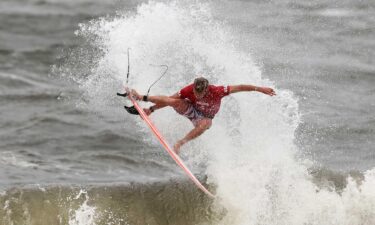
{"points": [[200, 84]]}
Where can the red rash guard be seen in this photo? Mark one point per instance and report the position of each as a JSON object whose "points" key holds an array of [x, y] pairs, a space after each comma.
{"points": [[209, 105]]}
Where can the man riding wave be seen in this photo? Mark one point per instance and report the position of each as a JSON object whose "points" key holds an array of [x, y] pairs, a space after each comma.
{"points": [[199, 102]]}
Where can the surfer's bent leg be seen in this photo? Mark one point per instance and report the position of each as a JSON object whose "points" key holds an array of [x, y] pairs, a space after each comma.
{"points": [[180, 105], [200, 127]]}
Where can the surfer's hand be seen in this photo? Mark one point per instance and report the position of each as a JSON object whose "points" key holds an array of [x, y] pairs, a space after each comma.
{"points": [[267, 91], [147, 111]]}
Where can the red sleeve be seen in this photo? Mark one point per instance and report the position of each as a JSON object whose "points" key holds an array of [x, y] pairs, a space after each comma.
{"points": [[223, 90], [186, 91]]}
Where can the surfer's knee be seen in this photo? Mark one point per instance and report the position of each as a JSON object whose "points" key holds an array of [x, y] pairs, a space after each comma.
{"points": [[207, 123], [204, 123], [180, 105]]}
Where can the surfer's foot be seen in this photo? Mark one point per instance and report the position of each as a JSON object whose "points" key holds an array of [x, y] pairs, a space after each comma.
{"points": [[147, 111], [177, 146], [135, 94]]}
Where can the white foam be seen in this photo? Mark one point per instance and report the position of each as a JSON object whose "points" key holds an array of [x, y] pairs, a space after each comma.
{"points": [[336, 13], [14, 159], [250, 147], [85, 214]]}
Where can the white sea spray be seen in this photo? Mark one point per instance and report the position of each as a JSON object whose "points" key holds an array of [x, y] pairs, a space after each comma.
{"points": [[250, 148]]}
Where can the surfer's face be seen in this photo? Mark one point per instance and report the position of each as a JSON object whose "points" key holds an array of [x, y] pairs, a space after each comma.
{"points": [[200, 95]]}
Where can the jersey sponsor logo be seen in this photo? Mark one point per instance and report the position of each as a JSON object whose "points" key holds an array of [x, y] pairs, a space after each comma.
{"points": [[225, 89], [203, 103]]}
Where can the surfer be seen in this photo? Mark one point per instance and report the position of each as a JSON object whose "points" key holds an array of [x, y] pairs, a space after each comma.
{"points": [[199, 102]]}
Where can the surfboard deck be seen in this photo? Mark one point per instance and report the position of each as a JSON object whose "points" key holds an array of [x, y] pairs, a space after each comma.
{"points": [[166, 146]]}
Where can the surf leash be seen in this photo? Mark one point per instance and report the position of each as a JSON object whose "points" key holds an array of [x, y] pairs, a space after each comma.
{"points": [[165, 71], [127, 75], [131, 109]]}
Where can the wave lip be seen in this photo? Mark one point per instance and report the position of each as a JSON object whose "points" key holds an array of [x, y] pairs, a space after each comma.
{"points": [[336, 12]]}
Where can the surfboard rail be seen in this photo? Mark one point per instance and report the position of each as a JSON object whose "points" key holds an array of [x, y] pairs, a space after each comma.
{"points": [[166, 146]]}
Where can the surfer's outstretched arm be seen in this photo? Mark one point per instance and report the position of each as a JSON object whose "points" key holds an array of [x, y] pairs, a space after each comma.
{"points": [[246, 87]]}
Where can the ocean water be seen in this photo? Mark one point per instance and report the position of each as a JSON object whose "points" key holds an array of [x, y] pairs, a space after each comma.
{"points": [[70, 154]]}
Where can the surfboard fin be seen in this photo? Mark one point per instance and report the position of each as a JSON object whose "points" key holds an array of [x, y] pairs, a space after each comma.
{"points": [[131, 110], [122, 95]]}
